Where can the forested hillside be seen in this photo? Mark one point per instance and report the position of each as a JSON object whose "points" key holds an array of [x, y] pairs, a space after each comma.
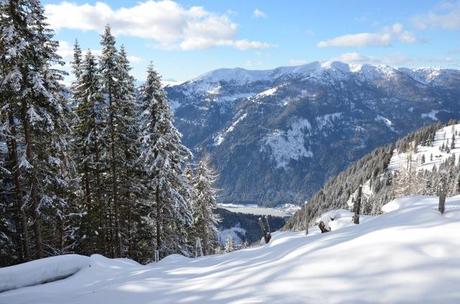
{"points": [[420, 163], [99, 169]]}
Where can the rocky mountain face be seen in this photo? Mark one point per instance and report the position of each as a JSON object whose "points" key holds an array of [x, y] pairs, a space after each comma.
{"points": [[276, 136]]}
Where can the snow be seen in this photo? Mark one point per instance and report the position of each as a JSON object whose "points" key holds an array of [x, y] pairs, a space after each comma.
{"points": [[41, 271], [386, 121], [410, 254], [327, 121], [289, 145], [281, 211], [219, 139], [268, 92], [431, 115], [233, 233], [442, 136]]}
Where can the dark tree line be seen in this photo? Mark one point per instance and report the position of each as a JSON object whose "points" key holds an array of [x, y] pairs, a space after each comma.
{"points": [[103, 171]]}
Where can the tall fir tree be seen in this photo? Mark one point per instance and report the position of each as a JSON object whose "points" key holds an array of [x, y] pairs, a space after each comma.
{"points": [[127, 148], [35, 121], [205, 221], [110, 87], [164, 159], [90, 109]]}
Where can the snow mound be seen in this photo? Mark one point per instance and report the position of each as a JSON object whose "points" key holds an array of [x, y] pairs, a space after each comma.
{"points": [[410, 254], [41, 271]]}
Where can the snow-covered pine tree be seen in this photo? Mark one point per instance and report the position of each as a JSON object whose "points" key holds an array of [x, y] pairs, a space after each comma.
{"points": [[110, 86], [35, 116], [88, 144], [130, 171], [205, 203], [164, 158]]}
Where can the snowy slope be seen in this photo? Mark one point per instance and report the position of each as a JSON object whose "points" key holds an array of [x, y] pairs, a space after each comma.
{"points": [[411, 254], [433, 155]]}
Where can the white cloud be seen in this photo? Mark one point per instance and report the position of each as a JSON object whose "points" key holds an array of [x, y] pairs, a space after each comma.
{"points": [[297, 62], [398, 60], [445, 16], [65, 50], [166, 22], [259, 13], [135, 59], [383, 38], [355, 57]]}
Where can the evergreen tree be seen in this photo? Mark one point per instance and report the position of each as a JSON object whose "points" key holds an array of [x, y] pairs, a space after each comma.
{"points": [[110, 85], [35, 119], [164, 158], [127, 148], [90, 110], [204, 219]]}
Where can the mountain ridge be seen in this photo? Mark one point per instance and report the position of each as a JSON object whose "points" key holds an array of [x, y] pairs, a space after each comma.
{"points": [[275, 136]]}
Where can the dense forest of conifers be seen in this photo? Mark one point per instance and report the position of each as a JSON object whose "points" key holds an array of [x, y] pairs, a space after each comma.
{"points": [[385, 185], [99, 169]]}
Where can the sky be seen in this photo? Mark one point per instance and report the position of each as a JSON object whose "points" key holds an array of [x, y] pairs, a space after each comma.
{"points": [[184, 39]]}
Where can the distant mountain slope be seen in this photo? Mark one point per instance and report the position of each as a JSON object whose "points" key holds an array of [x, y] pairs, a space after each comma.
{"points": [[276, 136], [413, 165]]}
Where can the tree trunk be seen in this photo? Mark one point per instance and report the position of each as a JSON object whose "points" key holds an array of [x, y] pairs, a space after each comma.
{"points": [[20, 213], [101, 229], [116, 240], [442, 202], [158, 218], [33, 194], [87, 182], [357, 205]]}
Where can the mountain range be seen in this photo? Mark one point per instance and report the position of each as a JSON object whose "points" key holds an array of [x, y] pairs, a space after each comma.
{"points": [[275, 136]]}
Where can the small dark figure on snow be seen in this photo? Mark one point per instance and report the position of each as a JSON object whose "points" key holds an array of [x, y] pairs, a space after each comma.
{"points": [[323, 227]]}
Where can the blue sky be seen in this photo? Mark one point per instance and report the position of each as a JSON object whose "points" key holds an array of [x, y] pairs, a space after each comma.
{"points": [[187, 38]]}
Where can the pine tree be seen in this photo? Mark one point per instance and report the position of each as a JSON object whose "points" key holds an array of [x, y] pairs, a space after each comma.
{"points": [[110, 85], [127, 148], [205, 203], [90, 110], [36, 122], [164, 158]]}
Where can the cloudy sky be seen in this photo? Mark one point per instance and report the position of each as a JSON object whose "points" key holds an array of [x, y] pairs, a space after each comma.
{"points": [[187, 38]]}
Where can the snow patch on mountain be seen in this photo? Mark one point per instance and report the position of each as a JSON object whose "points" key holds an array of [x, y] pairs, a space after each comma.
{"points": [[288, 145], [268, 92], [327, 121], [426, 157], [386, 121], [431, 115], [219, 139]]}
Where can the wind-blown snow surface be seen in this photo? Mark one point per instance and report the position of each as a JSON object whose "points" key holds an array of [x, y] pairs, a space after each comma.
{"points": [[410, 254]]}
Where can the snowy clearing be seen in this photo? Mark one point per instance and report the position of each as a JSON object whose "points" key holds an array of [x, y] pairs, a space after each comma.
{"points": [[410, 254]]}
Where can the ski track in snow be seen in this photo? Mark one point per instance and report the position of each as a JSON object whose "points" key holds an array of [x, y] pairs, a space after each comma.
{"points": [[410, 254]]}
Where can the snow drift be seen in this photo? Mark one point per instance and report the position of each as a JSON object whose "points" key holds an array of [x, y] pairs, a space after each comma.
{"points": [[410, 254], [41, 271]]}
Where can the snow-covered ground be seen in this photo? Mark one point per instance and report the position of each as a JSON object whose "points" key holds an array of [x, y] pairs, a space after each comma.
{"points": [[410, 254], [284, 210], [432, 154]]}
